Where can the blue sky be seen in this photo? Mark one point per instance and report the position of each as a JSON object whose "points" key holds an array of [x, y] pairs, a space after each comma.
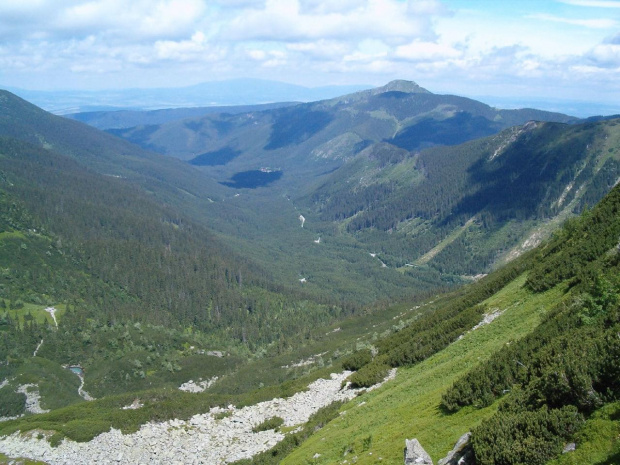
{"points": [[554, 49]]}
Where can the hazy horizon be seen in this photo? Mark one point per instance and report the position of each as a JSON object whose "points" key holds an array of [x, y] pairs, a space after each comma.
{"points": [[553, 49]]}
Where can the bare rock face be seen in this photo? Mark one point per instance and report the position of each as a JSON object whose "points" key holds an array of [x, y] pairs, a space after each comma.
{"points": [[461, 454], [415, 453]]}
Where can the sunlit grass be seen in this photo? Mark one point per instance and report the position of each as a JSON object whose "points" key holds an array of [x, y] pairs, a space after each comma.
{"points": [[37, 312], [408, 407]]}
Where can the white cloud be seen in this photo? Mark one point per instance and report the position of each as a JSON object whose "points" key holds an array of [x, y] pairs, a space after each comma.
{"points": [[268, 59], [21, 7], [285, 20], [321, 49], [110, 18], [327, 7], [605, 56], [227, 4], [196, 48], [596, 23], [172, 17], [426, 51], [258, 55]]}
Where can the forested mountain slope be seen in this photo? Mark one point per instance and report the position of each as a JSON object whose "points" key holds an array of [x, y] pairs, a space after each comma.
{"points": [[135, 282], [526, 359], [110, 156], [462, 209], [250, 225]]}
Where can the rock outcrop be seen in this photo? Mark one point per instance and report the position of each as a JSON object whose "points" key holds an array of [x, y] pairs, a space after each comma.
{"points": [[415, 453], [461, 453]]}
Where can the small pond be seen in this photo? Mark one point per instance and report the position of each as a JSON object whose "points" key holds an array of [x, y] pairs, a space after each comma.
{"points": [[77, 370]]}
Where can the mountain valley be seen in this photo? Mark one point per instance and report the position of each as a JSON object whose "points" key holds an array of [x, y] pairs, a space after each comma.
{"points": [[465, 256], [390, 170]]}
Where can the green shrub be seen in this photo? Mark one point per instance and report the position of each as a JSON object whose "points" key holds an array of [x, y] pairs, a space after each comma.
{"points": [[369, 375], [270, 423], [222, 415], [357, 360], [526, 437], [56, 439], [11, 403]]}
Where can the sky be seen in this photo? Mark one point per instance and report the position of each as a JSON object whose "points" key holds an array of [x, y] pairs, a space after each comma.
{"points": [[553, 49]]}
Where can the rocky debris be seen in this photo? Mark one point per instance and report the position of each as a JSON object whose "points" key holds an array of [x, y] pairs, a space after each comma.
{"points": [[215, 353], [203, 439], [461, 454], [309, 361], [516, 132], [135, 405], [391, 375], [488, 318], [570, 447], [200, 386], [52, 311], [415, 453], [33, 398]]}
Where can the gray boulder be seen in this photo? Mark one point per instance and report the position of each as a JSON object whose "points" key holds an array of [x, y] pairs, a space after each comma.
{"points": [[415, 453], [570, 447], [461, 453]]}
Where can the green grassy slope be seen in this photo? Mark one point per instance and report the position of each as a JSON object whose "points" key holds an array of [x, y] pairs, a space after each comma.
{"points": [[409, 406], [552, 350]]}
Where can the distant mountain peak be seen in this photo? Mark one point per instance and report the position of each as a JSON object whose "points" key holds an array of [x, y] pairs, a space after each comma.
{"points": [[400, 85]]}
